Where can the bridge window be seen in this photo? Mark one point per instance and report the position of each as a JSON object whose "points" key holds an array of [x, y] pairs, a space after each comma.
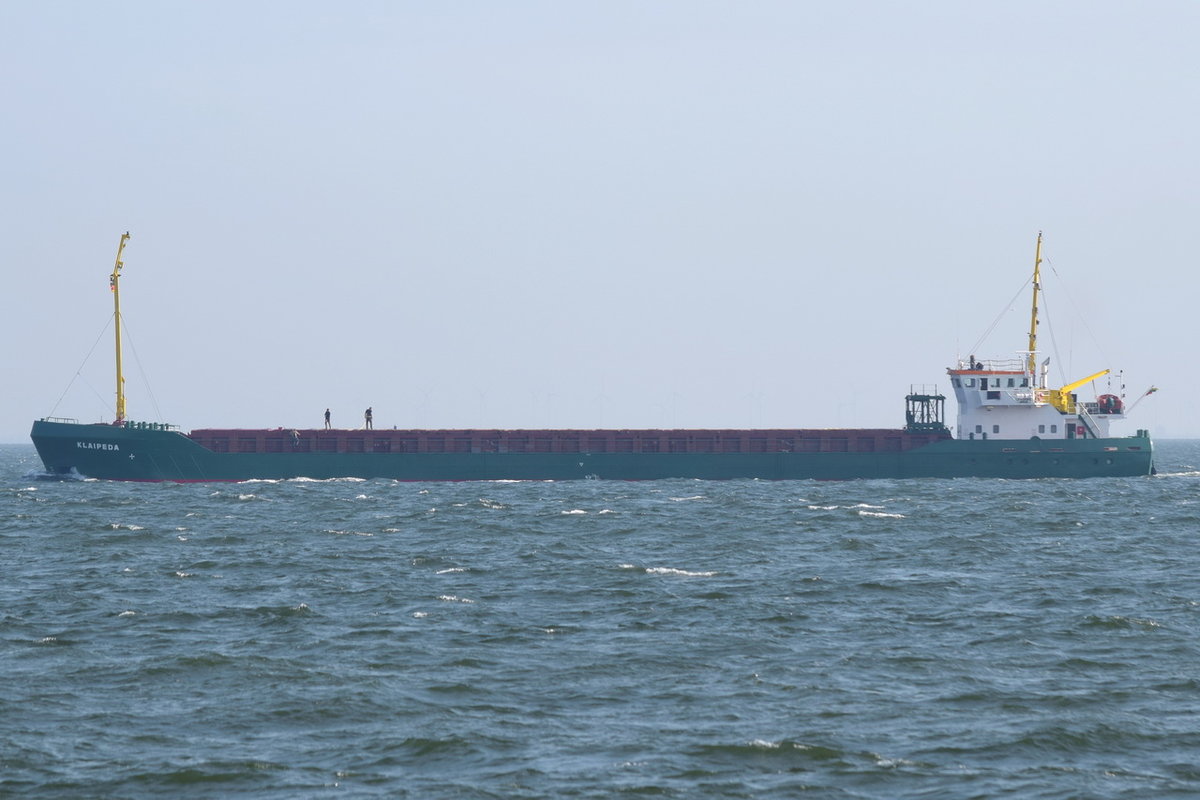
{"points": [[995, 429]]}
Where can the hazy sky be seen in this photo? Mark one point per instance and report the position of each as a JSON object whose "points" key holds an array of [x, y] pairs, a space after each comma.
{"points": [[590, 214]]}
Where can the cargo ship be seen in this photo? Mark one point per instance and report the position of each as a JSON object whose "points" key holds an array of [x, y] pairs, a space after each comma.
{"points": [[1011, 423]]}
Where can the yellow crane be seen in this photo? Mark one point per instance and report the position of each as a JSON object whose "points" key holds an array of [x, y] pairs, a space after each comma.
{"points": [[1062, 398], [1059, 398]]}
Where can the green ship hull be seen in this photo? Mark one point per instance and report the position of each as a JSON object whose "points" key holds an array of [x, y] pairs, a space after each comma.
{"points": [[156, 453]]}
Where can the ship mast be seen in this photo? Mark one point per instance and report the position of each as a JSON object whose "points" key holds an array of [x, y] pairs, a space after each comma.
{"points": [[114, 282], [1033, 319]]}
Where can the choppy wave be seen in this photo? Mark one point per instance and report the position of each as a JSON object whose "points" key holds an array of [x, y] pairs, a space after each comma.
{"points": [[736, 639]]}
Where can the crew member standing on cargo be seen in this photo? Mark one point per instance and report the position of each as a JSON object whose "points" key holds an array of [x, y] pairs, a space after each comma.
{"points": [[367, 416], [327, 419]]}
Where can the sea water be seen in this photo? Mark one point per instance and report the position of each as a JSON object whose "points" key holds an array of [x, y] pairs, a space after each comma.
{"points": [[740, 639]]}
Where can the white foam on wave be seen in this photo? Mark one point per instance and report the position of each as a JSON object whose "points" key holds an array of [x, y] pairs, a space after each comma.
{"points": [[682, 572], [881, 514], [453, 598], [891, 763], [303, 479], [449, 570], [686, 499], [575, 511], [822, 508], [42, 475], [765, 744]]}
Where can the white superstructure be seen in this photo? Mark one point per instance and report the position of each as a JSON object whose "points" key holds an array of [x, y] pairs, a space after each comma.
{"points": [[1012, 399], [1004, 400]]}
